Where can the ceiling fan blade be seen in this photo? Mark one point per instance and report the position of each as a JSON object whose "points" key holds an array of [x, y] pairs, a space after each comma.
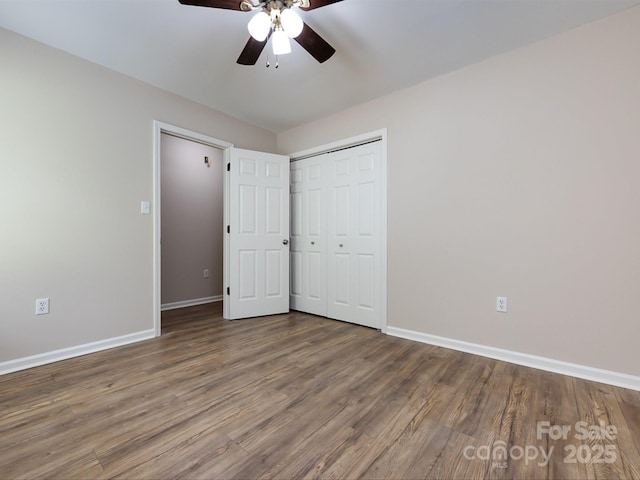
{"points": [[251, 51], [228, 4], [319, 3], [315, 44]]}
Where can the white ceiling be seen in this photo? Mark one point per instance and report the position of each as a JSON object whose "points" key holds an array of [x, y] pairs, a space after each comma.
{"points": [[382, 46]]}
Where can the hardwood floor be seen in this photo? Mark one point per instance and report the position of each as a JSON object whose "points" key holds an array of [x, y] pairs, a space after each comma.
{"points": [[297, 396]]}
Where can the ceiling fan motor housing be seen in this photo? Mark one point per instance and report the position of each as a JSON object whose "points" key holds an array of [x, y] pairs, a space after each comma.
{"points": [[269, 5]]}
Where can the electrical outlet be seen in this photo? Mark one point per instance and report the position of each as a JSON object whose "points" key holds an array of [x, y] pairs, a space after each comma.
{"points": [[205, 273], [501, 304], [42, 306]]}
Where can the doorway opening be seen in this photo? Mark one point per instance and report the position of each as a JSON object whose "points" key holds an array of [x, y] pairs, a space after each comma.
{"points": [[188, 157], [192, 180]]}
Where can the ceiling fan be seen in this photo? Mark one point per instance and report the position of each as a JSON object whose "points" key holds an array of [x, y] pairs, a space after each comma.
{"points": [[278, 21]]}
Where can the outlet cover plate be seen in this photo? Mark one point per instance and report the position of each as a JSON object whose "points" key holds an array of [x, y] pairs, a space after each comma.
{"points": [[501, 304], [42, 306]]}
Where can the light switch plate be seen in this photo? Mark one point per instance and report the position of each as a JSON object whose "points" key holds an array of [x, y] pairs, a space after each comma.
{"points": [[145, 208]]}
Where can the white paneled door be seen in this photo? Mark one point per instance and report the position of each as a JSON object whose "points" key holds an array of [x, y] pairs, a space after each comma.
{"points": [[258, 235], [337, 232], [354, 234], [308, 236]]}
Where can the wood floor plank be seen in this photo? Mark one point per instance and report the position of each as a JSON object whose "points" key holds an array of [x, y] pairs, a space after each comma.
{"points": [[200, 456], [299, 396], [598, 408], [80, 464]]}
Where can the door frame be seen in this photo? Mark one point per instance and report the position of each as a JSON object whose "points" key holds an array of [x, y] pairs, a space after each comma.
{"points": [[376, 135], [158, 129]]}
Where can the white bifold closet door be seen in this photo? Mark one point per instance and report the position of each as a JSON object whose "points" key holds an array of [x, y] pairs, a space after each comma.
{"points": [[308, 261], [336, 232]]}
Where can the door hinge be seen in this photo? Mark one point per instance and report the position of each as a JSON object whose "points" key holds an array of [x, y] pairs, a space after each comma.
{"points": [[228, 228], [228, 167], [228, 291]]}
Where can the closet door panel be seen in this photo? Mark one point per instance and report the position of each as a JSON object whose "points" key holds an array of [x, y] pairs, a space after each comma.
{"points": [[336, 225], [308, 239], [355, 235]]}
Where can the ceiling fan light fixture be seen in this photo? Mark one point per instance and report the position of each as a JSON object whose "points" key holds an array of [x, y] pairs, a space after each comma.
{"points": [[259, 26], [291, 23], [277, 20], [280, 42]]}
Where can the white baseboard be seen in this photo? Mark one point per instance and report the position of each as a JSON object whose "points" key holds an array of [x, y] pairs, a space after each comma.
{"points": [[77, 351], [542, 363], [190, 303]]}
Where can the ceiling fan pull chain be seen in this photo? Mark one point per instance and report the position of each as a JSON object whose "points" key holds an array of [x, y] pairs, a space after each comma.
{"points": [[277, 64]]}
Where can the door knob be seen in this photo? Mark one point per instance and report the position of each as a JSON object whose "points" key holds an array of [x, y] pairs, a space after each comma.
{"points": [[341, 245], [285, 241], [313, 243]]}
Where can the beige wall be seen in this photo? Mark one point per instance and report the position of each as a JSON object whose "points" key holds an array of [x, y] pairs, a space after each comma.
{"points": [[76, 159], [519, 177], [192, 219]]}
